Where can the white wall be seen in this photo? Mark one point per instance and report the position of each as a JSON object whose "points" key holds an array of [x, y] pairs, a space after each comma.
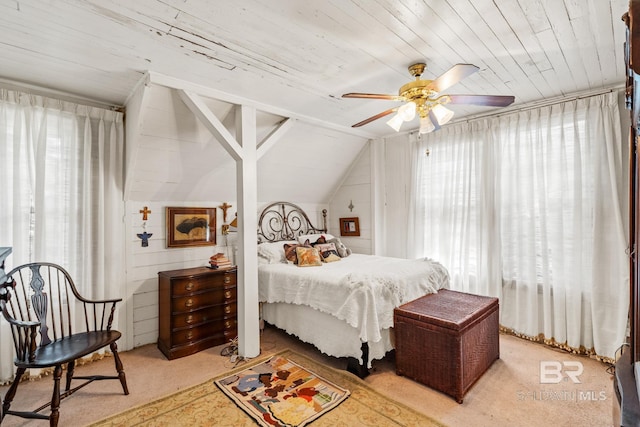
{"points": [[395, 167], [356, 190], [378, 186]]}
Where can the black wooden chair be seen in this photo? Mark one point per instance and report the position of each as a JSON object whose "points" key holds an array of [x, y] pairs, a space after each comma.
{"points": [[39, 300]]}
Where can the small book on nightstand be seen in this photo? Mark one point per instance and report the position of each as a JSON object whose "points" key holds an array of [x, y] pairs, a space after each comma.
{"points": [[219, 261]]}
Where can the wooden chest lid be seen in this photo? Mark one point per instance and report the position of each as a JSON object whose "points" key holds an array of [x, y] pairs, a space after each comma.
{"points": [[449, 309]]}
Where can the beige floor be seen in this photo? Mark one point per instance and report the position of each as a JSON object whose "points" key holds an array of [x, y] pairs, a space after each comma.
{"points": [[508, 394]]}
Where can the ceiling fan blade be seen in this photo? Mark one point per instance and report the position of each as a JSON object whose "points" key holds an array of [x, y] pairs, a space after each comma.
{"points": [[373, 96], [452, 76], [488, 100], [376, 117]]}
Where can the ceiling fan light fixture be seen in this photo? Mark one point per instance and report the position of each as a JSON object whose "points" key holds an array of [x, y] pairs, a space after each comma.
{"points": [[396, 122], [442, 114], [407, 111], [426, 125], [421, 96]]}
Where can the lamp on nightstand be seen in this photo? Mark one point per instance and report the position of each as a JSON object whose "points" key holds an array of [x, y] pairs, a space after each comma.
{"points": [[232, 227]]}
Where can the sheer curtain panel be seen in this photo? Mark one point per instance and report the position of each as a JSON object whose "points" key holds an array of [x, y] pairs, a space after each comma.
{"points": [[61, 175], [527, 207]]}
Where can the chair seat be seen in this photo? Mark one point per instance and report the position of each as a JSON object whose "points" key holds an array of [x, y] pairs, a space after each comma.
{"points": [[69, 348]]}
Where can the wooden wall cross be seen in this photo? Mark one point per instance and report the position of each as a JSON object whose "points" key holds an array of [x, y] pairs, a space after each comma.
{"points": [[144, 213], [224, 208]]}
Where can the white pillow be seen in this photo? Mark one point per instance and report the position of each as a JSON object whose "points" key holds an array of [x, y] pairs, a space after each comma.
{"points": [[272, 252], [313, 237]]}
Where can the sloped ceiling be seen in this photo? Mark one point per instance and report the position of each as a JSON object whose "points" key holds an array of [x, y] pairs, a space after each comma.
{"points": [[177, 158]]}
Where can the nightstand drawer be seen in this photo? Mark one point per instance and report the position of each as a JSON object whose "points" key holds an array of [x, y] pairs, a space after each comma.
{"points": [[204, 315], [207, 299], [191, 285], [204, 331]]}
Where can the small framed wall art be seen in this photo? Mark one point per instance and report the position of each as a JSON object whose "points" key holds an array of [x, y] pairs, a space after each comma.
{"points": [[191, 227], [349, 226]]}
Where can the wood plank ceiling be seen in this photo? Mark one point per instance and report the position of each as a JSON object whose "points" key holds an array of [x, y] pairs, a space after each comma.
{"points": [[302, 56]]}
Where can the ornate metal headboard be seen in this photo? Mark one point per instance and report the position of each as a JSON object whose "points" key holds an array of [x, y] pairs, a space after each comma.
{"points": [[286, 221]]}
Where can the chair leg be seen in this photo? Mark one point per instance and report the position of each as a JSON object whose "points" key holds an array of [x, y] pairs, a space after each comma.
{"points": [[70, 370], [55, 398], [8, 398], [119, 367]]}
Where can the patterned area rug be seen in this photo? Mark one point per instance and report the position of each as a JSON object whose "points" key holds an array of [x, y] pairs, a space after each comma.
{"points": [[207, 405], [281, 393]]}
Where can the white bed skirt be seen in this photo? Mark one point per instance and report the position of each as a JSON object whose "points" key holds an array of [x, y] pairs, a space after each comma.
{"points": [[312, 326]]}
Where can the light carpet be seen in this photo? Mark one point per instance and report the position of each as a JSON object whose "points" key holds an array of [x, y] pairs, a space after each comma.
{"points": [[206, 405]]}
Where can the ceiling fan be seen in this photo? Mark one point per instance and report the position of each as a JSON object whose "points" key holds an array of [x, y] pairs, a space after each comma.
{"points": [[422, 97]]}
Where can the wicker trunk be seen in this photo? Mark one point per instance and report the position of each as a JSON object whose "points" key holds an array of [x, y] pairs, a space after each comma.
{"points": [[447, 340]]}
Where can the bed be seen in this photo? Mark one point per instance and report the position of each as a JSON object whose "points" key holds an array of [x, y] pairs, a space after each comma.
{"points": [[345, 307]]}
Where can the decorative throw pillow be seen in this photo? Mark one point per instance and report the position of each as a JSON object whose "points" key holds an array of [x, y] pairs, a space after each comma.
{"points": [[325, 247], [308, 257], [330, 256], [321, 241], [343, 251], [290, 251]]}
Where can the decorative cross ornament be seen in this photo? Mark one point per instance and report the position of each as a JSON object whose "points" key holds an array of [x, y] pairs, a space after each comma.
{"points": [[224, 208], [144, 213]]}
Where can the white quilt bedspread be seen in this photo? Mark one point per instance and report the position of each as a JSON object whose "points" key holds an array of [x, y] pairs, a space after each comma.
{"points": [[360, 289]]}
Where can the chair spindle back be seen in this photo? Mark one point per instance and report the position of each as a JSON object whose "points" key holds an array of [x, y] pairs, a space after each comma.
{"points": [[45, 293]]}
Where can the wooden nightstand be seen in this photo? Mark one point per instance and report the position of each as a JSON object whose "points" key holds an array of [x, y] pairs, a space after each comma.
{"points": [[197, 310]]}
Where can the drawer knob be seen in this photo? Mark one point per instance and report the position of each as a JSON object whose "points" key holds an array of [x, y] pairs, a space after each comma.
{"points": [[189, 335], [189, 286], [227, 279], [188, 303], [227, 324], [189, 319], [227, 294], [227, 309]]}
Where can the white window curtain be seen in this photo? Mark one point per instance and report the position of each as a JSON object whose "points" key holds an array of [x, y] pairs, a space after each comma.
{"points": [[61, 175], [528, 207]]}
